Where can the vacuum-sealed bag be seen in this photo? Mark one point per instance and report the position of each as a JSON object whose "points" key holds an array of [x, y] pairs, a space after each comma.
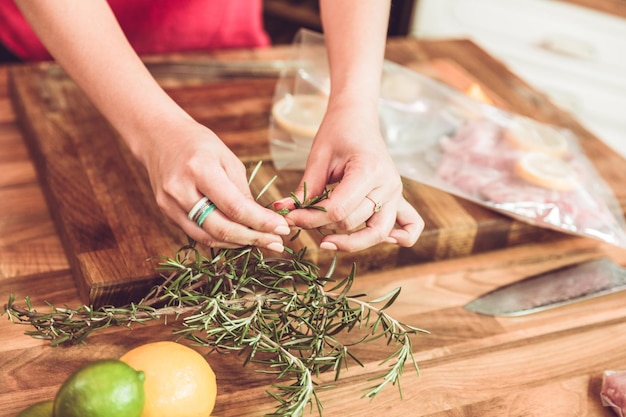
{"points": [[438, 136], [531, 171]]}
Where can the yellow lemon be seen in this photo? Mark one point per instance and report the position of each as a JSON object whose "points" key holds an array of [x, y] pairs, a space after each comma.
{"points": [[534, 137], [300, 115], [179, 381], [546, 171], [103, 388], [40, 409]]}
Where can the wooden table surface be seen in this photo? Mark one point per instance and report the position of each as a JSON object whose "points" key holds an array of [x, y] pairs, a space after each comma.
{"points": [[546, 364]]}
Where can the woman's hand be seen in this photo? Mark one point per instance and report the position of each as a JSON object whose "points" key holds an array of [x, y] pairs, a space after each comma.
{"points": [[186, 161], [349, 150]]}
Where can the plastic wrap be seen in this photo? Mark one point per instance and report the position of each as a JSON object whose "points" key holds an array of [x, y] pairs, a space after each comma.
{"points": [[299, 102], [439, 136]]}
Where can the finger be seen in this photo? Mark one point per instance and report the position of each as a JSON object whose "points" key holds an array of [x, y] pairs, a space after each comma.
{"points": [[364, 211], [222, 229], [199, 235], [410, 225], [377, 229], [238, 205], [215, 229], [311, 185], [341, 207], [200, 224]]}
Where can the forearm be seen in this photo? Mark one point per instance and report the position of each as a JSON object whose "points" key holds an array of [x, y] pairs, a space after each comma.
{"points": [[85, 38], [355, 33], [185, 160]]}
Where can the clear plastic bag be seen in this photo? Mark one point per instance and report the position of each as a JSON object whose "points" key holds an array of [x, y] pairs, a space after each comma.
{"points": [[299, 102], [440, 137], [534, 172]]}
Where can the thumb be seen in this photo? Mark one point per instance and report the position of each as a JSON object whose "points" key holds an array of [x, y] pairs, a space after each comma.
{"points": [[312, 184]]}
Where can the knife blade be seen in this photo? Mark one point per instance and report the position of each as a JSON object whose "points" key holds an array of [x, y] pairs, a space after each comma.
{"points": [[552, 289]]}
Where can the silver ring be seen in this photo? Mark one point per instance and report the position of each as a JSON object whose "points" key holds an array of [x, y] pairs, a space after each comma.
{"points": [[198, 208], [377, 205], [204, 213]]}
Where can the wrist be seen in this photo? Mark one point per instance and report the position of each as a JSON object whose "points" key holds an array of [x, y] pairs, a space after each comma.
{"points": [[357, 105], [151, 134]]}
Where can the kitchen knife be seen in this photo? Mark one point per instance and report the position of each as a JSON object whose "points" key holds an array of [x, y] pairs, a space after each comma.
{"points": [[552, 289]]}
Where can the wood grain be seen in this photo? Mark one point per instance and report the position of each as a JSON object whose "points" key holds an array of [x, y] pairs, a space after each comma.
{"points": [[612, 7], [103, 206], [546, 364]]}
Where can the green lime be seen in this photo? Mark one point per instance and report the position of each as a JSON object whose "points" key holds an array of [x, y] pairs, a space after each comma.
{"points": [[40, 409], [103, 388]]}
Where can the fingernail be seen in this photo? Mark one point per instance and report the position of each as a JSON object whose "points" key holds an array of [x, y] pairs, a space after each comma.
{"points": [[282, 230], [276, 247], [391, 240], [328, 246], [278, 204]]}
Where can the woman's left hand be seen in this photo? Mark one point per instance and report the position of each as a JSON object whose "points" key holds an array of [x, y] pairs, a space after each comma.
{"points": [[367, 206]]}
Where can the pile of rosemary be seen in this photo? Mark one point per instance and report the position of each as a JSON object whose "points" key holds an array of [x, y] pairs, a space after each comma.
{"points": [[279, 312]]}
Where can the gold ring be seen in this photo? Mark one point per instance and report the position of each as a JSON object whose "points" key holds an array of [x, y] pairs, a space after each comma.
{"points": [[377, 205]]}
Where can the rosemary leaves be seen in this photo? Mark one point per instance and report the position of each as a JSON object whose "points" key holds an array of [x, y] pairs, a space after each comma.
{"points": [[279, 312]]}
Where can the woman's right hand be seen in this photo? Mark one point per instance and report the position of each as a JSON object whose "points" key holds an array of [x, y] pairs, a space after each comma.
{"points": [[187, 161]]}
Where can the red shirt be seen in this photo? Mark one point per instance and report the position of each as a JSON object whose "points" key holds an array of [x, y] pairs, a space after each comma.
{"points": [[157, 26]]}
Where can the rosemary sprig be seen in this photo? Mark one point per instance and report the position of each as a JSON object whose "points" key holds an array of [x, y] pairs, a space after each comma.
{"points": [[309, 203], [278, 312]]}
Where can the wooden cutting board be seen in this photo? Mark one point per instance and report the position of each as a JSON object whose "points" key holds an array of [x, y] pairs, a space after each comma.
{"points": [[105, 210]]}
